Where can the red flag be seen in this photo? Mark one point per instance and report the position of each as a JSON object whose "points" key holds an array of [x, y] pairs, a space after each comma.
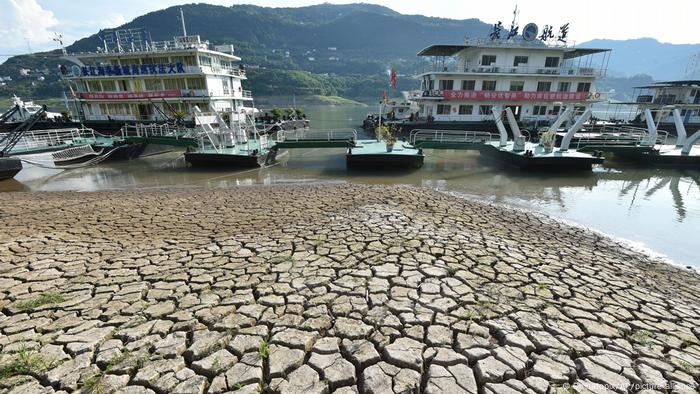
{"points": [[385, 99], [393, 76]]}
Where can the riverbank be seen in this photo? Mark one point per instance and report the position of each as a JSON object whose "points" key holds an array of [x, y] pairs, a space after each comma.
{"points": [[313, 288]]}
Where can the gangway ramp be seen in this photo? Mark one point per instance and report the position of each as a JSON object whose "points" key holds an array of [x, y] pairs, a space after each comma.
{"points": [[451, 139], [309, 138]]}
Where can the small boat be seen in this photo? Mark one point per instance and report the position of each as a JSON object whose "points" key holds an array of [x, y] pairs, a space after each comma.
{"points": [[221, 145]]}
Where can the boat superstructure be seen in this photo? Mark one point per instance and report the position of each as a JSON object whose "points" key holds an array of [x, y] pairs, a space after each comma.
{"points": [[660, 96], [236, 143], [156, 81], [460, 84]]}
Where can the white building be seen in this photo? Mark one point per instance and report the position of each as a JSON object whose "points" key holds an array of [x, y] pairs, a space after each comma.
{"points": [[163, 78], [462, 82]]}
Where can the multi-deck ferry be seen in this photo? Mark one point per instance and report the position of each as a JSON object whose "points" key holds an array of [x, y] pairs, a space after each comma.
{"points": [[459, 84], [155, 82]]}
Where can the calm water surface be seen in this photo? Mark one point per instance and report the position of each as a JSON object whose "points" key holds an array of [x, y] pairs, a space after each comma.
{"points": [[654, 209]]}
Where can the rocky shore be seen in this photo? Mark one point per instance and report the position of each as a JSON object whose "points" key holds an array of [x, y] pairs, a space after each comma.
{"points": [[329, 288]]}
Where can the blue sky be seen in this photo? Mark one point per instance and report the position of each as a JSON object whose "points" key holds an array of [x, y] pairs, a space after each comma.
{"points": [[32, 24]]}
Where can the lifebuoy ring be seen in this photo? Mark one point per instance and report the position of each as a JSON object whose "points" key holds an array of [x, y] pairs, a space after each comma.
{"points": [[596, 95]]}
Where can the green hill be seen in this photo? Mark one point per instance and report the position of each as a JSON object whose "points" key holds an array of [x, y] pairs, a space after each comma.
{"points": [[344, 50]]}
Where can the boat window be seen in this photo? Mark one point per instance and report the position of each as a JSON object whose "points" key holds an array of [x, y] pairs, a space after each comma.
{"points": [[108, 86], [466, 109], [446, 84], [484, 110], [551, 61], [539, 110], [154, 84], [173, 84], [544, 86], [487, 60], [122, 85], [555, 110], [94, 86], [195, 83], [443, 109], [469, 85], [488, 85], [583, 87], [517, 86], [564, 86], [520, 60], [204, 61]]}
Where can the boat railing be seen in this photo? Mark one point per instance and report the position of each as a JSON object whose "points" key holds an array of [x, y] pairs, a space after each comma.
{"points": [[42, 139], [155, 130], [303, 134], [510, 69], [451, 136], [610, 135]]}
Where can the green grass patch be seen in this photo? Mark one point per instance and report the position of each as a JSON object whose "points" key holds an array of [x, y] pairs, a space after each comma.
{"points": [[264, 349], [44, 299], [25, 363], [641, 337], [94, 384]]}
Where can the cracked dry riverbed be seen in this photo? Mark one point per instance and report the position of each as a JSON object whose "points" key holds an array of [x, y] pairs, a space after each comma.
{"points": [[329, 288]]}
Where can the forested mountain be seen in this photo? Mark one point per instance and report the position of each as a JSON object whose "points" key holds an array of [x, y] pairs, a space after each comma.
{"points": [[324, 49], [649, 56]]}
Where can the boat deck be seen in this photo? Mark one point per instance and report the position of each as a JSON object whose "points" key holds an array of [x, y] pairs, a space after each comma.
{"points": [[250, 154], [536, 157], [373, 154]]}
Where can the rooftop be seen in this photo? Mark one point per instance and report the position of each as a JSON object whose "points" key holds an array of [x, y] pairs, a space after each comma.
{"points": [[178, 44], [669, 84], [451, 50]]}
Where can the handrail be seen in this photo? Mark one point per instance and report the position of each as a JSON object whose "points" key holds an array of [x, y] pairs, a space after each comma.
{"points": [[615, 135], [155, 130], [300, 135], [39, 139], [467, 136], [510, 69]]}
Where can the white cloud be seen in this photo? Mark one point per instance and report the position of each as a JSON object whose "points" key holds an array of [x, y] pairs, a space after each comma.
{"points": [[23, 20], [112, 20]]}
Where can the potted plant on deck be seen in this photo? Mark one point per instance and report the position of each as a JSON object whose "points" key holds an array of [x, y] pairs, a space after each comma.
{"points": [[388, 135]]}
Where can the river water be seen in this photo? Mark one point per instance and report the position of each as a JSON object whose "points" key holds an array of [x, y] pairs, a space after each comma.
{"points": [[657, 210]]}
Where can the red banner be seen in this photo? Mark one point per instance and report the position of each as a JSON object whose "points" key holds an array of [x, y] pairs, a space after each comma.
{"points": [[513, 96], [129, 95]]}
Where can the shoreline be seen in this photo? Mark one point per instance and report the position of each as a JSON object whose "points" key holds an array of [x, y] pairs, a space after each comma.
{"points": [[626, 243], [359, 288]]}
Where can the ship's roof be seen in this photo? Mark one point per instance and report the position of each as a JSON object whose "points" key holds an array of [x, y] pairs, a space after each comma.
{"points": [[451, 50], [670, 84], [172, 51]]}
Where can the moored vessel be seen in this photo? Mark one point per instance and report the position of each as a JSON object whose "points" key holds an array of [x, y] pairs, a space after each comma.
{"points": [[133, 79], [534, 76], [238, 144]]}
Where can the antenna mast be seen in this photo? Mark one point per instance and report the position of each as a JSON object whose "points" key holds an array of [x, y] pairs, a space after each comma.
{"points": [[182, 19]]}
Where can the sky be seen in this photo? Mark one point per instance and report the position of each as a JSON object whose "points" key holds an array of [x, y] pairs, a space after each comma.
{"points": [[32, 25]]}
